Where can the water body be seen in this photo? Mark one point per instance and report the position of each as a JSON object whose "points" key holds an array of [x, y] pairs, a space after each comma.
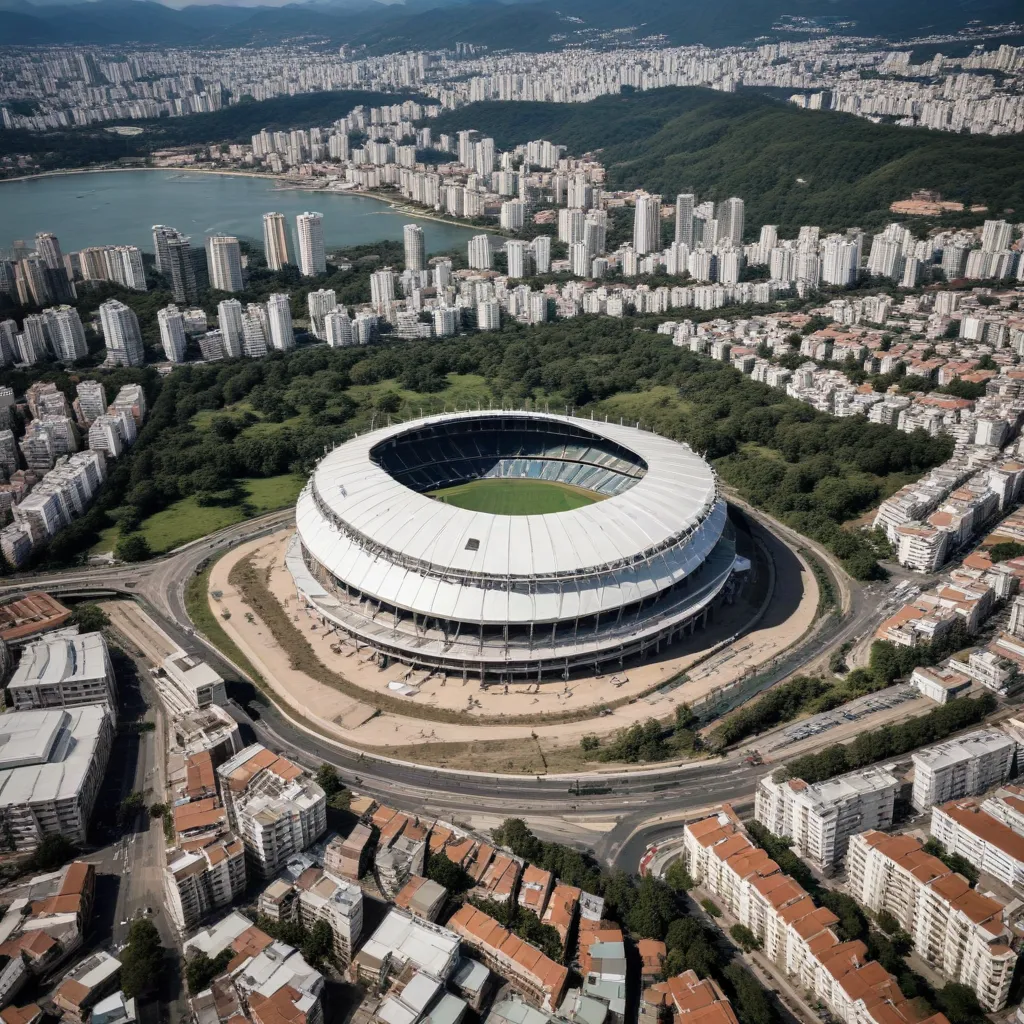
{"points": [[120, 208]]}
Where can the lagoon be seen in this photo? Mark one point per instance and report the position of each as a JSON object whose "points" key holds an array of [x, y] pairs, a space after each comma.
{"points": [[120, 207]]}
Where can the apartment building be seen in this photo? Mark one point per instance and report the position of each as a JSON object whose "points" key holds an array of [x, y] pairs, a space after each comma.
{"points": [[1006, 804], [958, 931], [988, 843], [321, 897], [534, 889], [675, 999], [798, 936], [64, 672], [941, 684], [820, 818], [198, 881], [562, 910], [959, 767], [51, 767], [269, 983], [273, 805], [194, 682], [403, 942], [422, 897], [347, 857], [529, 972]]}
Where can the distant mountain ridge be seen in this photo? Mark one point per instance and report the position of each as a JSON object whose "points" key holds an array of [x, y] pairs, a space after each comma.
{"points": [[518, 24]]}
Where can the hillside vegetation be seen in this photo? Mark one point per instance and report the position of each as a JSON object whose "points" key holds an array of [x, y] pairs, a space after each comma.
{"points": [[791, 166], [215, 428]]}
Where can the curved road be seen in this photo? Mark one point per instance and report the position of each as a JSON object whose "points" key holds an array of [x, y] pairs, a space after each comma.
{"points": [[627, 796]]}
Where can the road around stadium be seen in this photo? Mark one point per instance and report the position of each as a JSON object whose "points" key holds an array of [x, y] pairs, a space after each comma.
{"points": [[615, 813], [534, 743]]}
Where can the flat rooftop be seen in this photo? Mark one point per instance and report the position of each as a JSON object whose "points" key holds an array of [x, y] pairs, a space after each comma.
{"points": [[47, 755], [62, 659]]}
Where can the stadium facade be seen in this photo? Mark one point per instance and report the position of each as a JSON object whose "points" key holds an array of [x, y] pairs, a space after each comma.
{"points": [[505, 597]]}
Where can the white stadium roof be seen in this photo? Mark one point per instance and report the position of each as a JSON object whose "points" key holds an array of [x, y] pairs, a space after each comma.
{"points": [[675, 495]]}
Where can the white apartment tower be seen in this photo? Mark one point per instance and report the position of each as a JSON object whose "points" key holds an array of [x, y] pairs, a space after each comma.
{"points": [[480, 252], [66, 333], [960, 767], [229, 319], [310, 229], [730, 217], [684, 217], [820, 818], [275, 240], [224, 261], [121, 334], [415, 249], [956, 930], [279, 313], [320, 303], [338, 328], [647, 224], [172, 333]]}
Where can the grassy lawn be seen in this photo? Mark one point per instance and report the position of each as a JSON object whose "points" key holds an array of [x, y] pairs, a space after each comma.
{"points": [[516, 497], [186, 520]]}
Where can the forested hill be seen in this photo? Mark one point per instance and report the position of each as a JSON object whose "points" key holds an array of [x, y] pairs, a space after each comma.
{"points": [[518, 25], [792, 166]]}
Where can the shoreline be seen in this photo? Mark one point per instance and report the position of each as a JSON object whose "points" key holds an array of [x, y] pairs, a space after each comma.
{"points": [[118, 170], [390, 201]]}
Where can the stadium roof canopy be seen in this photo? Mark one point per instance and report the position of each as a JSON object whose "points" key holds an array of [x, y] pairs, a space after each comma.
{"points": [[674, 497]]}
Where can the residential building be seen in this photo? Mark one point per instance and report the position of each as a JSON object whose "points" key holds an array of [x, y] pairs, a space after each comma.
{"points": [[403, 942], [529, 972], [991, 845], [480, 252], [956, 930], [195, 683], [224, 262], [64, 672], [422, 897], [65, 332], [798, 936], [321, 897], [820, 818], [646, 224], [312, 257], [279, 313], [197, 881], [275, 240], [51, 767], [172, 333], [941, 684], [85, 985], [121, 334], [269, 981], [415, 250], [960, 767], [320, 303], [273, 805]]}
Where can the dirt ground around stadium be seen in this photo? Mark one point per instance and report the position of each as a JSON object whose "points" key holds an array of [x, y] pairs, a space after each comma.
{"points": [[528, 747]]}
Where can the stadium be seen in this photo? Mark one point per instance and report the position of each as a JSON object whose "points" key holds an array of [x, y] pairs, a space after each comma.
{"points": [[512, 545]]}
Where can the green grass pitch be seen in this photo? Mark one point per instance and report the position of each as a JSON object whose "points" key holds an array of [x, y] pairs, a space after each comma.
{"points": [[516, 497]]}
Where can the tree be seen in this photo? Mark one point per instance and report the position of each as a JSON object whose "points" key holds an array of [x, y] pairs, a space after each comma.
{"points": [[142, 959], [90, 618], [327, 779], [447, 873], [678, 877], [887, 922], [959, 1003], [319, 943], [744, 937], [1006, 550], [200, 970], [52, 851], [133, 548], [711, 908], [653, 909]]}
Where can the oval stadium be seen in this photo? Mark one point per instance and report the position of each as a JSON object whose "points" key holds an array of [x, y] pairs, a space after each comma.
{"points": [[512, 545]]}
